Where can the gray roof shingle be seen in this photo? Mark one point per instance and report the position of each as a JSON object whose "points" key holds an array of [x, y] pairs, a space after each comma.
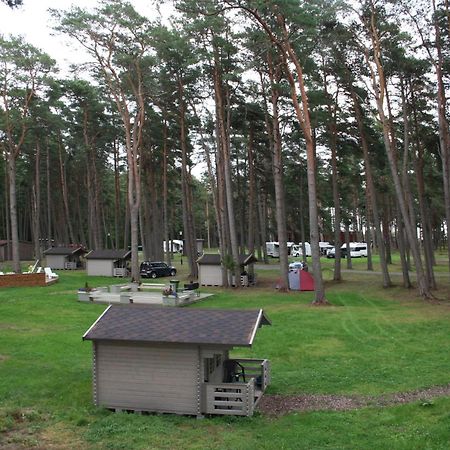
{"points": [[64, 250], [177, 325]]}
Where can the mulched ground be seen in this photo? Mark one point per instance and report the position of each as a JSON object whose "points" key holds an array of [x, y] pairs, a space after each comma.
{"points": [[278, 405]]}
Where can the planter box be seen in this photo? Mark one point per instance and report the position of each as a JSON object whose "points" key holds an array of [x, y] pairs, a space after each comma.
{"points": [[170, 300], [125, 297], [83, 296], [118, 288], [134, 287]]}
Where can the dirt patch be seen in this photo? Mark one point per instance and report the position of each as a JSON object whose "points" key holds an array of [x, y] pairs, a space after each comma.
{"points": [[278, 405], [59, 438], [3, 358]]}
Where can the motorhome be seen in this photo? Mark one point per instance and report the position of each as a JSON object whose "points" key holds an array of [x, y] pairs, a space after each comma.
{"points": [[325, 247], [297, 250], [357, 250], [273, 249], [176, 245]]}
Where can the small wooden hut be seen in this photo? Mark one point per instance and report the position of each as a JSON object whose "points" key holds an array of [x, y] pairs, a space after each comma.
{"points": [[26, 250], [65, 257], [176, 360], [210, 269], [110, 263]]}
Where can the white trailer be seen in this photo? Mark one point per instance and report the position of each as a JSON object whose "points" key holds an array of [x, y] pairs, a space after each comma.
{"points": [[297, 249], [325, 247], [176, 245], [273, 249], [357, 249]]}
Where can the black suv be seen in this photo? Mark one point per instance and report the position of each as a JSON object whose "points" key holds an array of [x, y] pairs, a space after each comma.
{"points": [[156, 269]]}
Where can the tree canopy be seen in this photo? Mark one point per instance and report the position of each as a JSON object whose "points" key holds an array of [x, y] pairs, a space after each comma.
{"points": [[311, 121]]}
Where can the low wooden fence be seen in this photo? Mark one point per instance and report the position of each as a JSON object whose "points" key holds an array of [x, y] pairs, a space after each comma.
{"points": [[233, 399], [258, 369], [238, 399]]}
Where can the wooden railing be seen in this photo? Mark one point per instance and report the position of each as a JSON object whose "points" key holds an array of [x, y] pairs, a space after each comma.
{"points": [[259, 369], [238, 398], [235, 399], [120, 272]]}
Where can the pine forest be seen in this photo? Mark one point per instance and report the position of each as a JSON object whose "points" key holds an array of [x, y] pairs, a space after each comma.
{"points": [[238, 122]]}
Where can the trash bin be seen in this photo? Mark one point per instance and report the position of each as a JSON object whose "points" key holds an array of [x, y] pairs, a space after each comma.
{"points": [[174, 285]]}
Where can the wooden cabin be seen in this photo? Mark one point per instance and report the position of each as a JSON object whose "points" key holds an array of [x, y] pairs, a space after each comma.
{"points": [[26, 250], [65, 257], [176, 360], [110, 263], [210, 269]]}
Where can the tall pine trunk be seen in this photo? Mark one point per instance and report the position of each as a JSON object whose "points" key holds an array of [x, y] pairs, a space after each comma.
{"points": [[332, 129], [225, 161], [36, 202], [188, 220], [13, 213], [277, 167], [372, 198], [380, 90]]}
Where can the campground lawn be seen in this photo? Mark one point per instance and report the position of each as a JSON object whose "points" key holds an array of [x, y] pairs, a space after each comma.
{"points": [[369, 342]]}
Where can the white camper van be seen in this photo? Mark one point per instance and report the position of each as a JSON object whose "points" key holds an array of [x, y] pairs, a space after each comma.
{"points": [[357, 250], [297, 250], [175, 245], [273, 249], [325, 247]]}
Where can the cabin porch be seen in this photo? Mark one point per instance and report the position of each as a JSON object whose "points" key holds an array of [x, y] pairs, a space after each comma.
{"points": [[240, 392]]}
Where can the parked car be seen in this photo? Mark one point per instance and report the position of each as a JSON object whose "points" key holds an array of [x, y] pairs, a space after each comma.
{"points": [[298, 265], [156, 269]]}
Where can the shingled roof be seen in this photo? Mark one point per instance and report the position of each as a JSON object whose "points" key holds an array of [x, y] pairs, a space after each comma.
{"points": [[64, 250], [213, 259], [177, 325], [109, 254]]}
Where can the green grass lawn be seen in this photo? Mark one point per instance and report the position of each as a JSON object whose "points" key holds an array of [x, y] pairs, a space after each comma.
{"points": [[369, 342]]}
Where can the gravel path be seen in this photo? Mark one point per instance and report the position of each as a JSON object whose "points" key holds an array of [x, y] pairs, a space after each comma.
{"points": [[278, 405]]}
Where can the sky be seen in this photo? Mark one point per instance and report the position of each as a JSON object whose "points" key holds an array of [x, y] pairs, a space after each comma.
{"points": [[33, 22]]}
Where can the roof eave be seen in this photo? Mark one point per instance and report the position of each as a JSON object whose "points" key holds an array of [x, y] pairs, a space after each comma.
{"points": [[142, 341], [95, 323]]}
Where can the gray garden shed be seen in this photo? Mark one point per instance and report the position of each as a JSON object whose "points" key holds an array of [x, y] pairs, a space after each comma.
{"points": [[65, 257], [110, 263], [176, 360], [210, 269]]}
